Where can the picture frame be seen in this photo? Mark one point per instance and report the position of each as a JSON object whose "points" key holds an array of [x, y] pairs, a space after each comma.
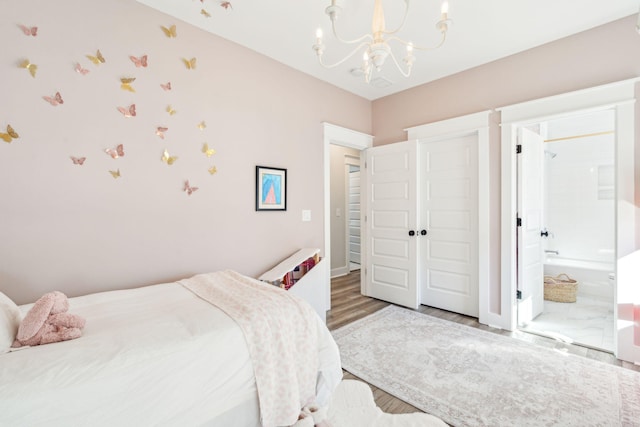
{"points": [[271, 189]]}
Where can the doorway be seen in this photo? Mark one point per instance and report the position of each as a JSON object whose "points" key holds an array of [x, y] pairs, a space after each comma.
{"points": [[566, 239]]}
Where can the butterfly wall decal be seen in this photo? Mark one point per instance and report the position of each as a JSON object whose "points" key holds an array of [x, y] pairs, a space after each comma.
{"points": [[189, 63], [115, 152], [168, 159], [29, 31], [212, 170], [10, 135], [79, 69], [160, 131], [170, 110], [139, 62], [166, 87], [202, 125], [115, 174], [208, 151], [29, 66], [98, 59], [205, 13], [188, 188], [170, 32], [226, 4], [78, 160], [54, 100], [129, 111], [125, 84]]}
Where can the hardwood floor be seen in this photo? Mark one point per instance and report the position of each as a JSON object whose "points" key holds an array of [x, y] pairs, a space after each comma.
{"points": [[348, 305]]}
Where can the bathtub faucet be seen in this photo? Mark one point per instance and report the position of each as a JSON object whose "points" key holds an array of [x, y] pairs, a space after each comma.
{"points": [[551, 252]]}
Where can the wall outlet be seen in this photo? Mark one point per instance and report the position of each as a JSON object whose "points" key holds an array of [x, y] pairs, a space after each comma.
{"points": [[306, 215]]}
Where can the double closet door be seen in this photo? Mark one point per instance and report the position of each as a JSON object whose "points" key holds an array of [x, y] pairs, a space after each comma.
{"points": [[421, 223]]}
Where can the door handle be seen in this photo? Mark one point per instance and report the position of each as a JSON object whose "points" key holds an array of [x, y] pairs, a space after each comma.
{"points": [[544, 233], [423, 232], [412, 233]]}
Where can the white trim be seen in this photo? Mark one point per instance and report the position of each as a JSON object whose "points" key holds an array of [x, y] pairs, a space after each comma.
{"points": [[619, 96], [450, 127], [333, 134]]}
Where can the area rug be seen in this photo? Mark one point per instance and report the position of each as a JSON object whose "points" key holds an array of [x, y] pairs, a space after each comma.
{"points": [[470, 377]]}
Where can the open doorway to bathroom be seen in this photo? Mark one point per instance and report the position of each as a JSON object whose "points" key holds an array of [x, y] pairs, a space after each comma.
{"points": [[568, 188]]}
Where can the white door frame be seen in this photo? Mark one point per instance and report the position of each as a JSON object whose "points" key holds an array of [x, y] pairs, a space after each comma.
{"points": [[343, 137], [619, 96]]}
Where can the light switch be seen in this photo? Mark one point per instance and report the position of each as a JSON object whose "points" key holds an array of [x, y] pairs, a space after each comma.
{"points": [[306, 215]]}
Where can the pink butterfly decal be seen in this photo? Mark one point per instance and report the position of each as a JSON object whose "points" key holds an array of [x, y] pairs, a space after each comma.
{"points": [[226, 4], [160, 131], [78, 160], [29, 31], [115, 152], [189, 189], [139, 62], [166, 87], [81, 70], [55, 100], [128, 112]]}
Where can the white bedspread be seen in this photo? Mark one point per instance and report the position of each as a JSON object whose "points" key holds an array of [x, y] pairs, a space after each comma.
{"points": [[282, 336], [156, 355]]}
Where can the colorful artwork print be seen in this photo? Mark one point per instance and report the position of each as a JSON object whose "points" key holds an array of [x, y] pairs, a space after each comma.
{"points": [[271, 184]]}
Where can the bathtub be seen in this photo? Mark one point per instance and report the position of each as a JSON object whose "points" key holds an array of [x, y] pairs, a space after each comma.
{"points": [[595, 279]]}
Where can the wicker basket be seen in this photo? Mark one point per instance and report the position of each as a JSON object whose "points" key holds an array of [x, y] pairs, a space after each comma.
{"points": [[561, 288]]}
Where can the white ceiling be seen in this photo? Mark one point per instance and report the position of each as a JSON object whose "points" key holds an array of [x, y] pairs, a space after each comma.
{"points": [[482, 31]]}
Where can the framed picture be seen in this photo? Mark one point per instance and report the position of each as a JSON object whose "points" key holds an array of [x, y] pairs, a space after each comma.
{"points": [[271, 189]]}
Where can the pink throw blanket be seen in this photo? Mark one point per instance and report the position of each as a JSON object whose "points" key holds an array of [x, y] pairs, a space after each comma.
{"points": [[282, 336]]}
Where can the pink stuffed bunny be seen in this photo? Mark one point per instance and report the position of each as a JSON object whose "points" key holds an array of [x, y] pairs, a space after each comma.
{"points": [[48, 322]]}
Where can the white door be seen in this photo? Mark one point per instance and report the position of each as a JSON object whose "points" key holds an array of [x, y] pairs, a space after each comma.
{"points": [[353, 224], [391, 206], [448, 206], [530, 211]]}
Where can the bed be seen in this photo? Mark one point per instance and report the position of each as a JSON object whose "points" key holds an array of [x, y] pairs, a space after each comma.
{"points": [[161, 355]]}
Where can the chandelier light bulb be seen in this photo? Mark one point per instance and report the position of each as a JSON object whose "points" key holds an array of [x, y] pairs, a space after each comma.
{"points": [[444, 8], [319, 34]]}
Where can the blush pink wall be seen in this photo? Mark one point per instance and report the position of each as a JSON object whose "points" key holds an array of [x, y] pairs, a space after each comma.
{"points": [[602, 55], [79, 230]]}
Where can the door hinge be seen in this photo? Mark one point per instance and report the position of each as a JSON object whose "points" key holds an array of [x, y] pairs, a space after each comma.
{"points": [[519, 222], [518, 294], [518, 148]]}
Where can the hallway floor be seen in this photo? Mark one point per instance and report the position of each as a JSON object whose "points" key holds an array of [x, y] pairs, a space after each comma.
{"points": [[587, 322]]}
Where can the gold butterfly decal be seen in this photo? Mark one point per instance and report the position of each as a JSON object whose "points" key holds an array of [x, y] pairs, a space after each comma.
{"points": [[78, 160], [167, 158], [170, 110], [208, 151], [126, 84], [226, 4], [189, 63], [189, 189], [10, 135], [115, 174], [98, 59], [212, 170], [128, 112], [166, 87], [202, 125], [139, 62], [29, 31], [160, 131], [115, 152], [170, 32], [54, 100], [81, 70], [29, 66], [205, 13]]}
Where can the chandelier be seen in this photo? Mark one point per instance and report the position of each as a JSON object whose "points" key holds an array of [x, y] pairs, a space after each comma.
{"points": [[376, 46]]}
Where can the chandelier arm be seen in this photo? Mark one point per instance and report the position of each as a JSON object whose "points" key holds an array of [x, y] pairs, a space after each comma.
{"points": [[395, 61], [353, 52], [404, 18], [358, 40], [406, 43]]}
